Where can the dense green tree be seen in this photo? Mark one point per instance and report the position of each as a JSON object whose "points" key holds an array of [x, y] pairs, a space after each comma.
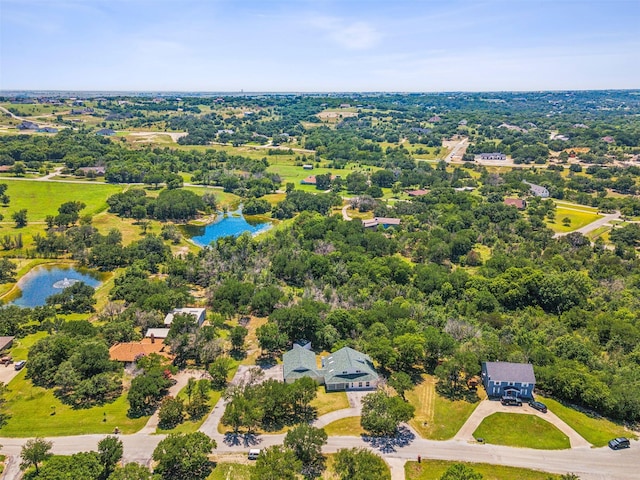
{"points": [[360, 464], [171, 412], [184, 456], [110, 452], [20, 217], [131, 471], [276, 463], [306, 442], [382, 413], [34, 452], [459, 471]]}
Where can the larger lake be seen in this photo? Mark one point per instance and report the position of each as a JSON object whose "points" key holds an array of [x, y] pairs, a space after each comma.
{"points": [[42, 282], [233, 224]]}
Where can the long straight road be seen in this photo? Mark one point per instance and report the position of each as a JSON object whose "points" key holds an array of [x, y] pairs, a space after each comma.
{"points": [[587, 463]]}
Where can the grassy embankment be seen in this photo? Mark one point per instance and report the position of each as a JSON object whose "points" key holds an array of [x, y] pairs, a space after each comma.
{"points": [[595, 430], [434, 469]]}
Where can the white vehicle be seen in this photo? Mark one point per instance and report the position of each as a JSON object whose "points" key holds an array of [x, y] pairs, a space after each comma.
{"points": [[254, 453]]}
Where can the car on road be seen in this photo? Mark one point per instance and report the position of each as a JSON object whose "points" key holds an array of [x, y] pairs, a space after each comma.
{"points": [[541, 407], [509, 400], [254, 453], [20, 364], [618, 443]]}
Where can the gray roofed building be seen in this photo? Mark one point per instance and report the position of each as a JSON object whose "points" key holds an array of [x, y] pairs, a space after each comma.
{"points": [[5, 342], [506, 378], [301, 362], [493, 156], [349, 369], [537, 190], [384, 221], [345, 369]]}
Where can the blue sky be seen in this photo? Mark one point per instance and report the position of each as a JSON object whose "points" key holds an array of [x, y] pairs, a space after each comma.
{"points": [[319, 45]]}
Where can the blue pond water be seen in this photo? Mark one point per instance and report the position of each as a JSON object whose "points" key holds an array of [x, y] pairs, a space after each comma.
{"points": [[234, 224], [39, 283]]}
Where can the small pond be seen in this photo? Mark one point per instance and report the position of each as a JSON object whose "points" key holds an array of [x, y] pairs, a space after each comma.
{"points": [[44, 281], [233, 224]]}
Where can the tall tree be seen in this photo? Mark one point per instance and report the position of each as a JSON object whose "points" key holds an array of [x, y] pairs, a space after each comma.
{"points": [[360, 464], [34, 452], [306, 442], [184, 456], [110, 450], [276, 463]]}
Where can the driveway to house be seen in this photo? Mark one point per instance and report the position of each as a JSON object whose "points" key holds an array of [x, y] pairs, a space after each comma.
{"points": [[345, 215], [8, 373], [489, 407], [181, 381]]}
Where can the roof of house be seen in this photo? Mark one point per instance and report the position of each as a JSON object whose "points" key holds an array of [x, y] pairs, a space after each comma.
{"points": [[417, 193], [509, 372], [492, 154], [131, 351], [516, 202], [310, 180], [348, 364], [196, 312], [299, 362], [374, 222], [157, 332], [93, 169], [106, 131], [5, 342]]}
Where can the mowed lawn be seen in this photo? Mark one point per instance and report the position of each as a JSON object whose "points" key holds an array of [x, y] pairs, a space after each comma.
{"points": [[43, 198], [595, 430], [30, 411], [434, 469], [345, 427], [521, 430], [578, 214], [437, 417], [326, 402]]}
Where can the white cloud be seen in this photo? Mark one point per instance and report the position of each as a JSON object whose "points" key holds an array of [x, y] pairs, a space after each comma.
{"points": [[353, 36]]}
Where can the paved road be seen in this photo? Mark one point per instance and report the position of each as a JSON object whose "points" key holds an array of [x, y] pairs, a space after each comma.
{"points": [[593, 225], [454, 151], [588, 463]]}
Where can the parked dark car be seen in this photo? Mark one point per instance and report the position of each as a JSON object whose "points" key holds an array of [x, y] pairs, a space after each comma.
{"points": [[509, 400], [541, 407], [20, 364], [618, 443]]}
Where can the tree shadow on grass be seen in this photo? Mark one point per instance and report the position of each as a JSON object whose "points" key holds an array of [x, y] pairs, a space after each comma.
{"points": [[402, 438]]}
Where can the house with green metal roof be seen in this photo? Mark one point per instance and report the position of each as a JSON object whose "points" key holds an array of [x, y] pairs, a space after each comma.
{"points": [[345, 369], [301, 362], [348, 369]]}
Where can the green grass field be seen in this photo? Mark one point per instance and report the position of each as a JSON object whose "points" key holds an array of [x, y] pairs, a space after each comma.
{"points": [[228, 471], [521, 430], [349, 426], [43, 198], [578, 214], [21, 346], [437, 417], [30, 410], [434, 469], [595, 430], [329, 402]]}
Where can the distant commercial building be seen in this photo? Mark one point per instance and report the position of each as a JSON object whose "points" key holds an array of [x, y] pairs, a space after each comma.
{"points": [[492, 156]]}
